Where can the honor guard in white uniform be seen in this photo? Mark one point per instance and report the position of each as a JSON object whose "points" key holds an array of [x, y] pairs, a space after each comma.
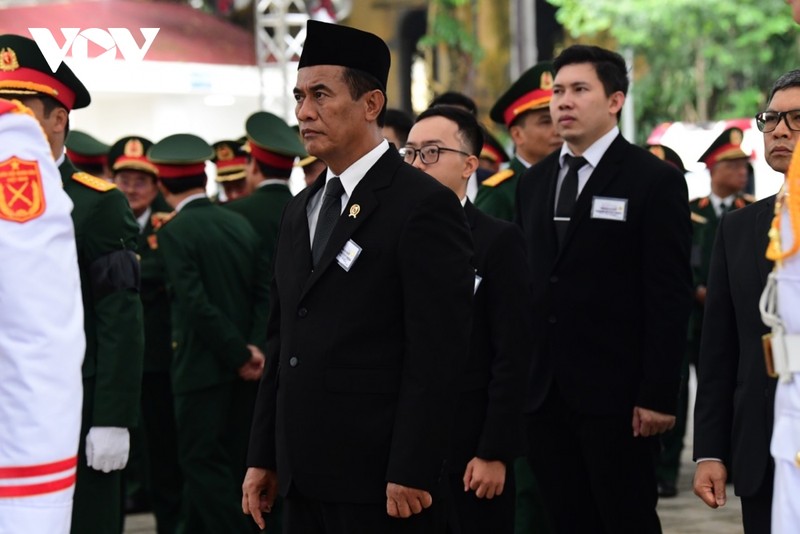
{"points": [[41, 333], [780, 309]]}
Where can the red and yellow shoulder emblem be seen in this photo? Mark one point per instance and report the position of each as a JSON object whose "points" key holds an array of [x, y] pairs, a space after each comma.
{"points": [[21, 190], [93, 182], [160, 218], [498, 178]]}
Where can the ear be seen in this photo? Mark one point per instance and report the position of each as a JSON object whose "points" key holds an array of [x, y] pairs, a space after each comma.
{"points": [[517, 135], [470, 165], [615, 102], [60, 118], [374, 101]]}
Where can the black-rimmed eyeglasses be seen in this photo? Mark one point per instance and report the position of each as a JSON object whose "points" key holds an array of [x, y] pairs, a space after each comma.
{"points": [[766, 121], [429, 154]]}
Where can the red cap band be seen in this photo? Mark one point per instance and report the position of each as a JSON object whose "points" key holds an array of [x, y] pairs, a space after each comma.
{"points": [[81, 159], [180, 171], [26, 79], [533, 100], [271, 158]]}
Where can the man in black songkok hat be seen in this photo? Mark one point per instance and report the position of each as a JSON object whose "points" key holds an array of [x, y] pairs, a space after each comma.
{"points": [[369, 316]]}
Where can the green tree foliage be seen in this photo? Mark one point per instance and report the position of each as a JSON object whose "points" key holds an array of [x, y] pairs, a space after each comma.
{"points": [[696, 60]]}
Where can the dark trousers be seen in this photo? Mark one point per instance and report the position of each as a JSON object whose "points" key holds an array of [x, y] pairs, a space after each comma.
{"points": [[97, 504], [757, 509], [213, 426], [596, 478], [467, 514], [302, 515], [161, 442]]}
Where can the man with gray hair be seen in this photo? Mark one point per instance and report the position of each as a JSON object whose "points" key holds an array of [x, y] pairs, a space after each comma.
{"points": [[735, 397]]}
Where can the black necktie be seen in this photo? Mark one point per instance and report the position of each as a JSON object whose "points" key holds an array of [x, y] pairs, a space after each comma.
{"points": [[567, 195], [722, 208], [328, 214]]}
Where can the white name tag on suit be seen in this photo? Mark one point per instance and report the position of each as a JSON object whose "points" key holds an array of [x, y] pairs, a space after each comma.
{"points": [[609, 208], [348, 255]]}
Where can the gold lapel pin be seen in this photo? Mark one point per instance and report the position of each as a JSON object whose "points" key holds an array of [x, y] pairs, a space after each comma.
{"points": [[355, 209]]}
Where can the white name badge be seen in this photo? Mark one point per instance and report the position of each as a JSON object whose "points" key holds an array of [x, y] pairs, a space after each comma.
{"points": [[611, 209], [478, 280], [348, 255]]}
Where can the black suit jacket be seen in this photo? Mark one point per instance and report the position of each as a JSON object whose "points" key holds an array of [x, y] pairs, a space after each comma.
{"points": [[735, 397], [492, 387], [611, 307], [359, 387]]}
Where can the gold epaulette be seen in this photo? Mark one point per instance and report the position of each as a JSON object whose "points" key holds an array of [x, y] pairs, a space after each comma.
{"points": [[498, 178], [160, 218], [699, 219], [14, 106], [93, 182]]}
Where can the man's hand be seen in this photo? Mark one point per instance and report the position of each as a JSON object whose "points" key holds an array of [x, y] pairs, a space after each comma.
{"points": [[402, 501], [648, 423], [259, 489], [486, 477], [254, 367], [700, 294], [709, 482]]}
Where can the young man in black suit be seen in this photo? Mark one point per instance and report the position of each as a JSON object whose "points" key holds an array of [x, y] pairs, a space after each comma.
{"points": [[445, 142], [735, 397], [370, 311], [608, 235]]}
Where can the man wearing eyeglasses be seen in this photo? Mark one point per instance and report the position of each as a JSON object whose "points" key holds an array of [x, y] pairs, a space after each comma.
{"points": [[445, 142], [735, 397]]}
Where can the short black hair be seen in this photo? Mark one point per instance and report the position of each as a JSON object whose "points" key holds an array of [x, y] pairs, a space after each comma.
{"points": [[786, 81], [400, 121], [360, 82], [454, 98], [610, 66], [269, 171], [179, 185], [469, 130]]}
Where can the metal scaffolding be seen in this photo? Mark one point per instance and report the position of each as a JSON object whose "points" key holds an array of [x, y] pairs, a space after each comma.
{"points": [[280, 33]]}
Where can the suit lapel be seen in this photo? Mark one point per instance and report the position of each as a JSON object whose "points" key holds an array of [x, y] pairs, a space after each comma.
{"points": [[361, 205], [470, 211], [762, 226], [301, 237]]}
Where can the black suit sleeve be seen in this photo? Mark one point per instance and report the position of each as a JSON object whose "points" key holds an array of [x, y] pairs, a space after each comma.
{"points": [[717, 363], [510, 326], [666, 236], [434, 254]]}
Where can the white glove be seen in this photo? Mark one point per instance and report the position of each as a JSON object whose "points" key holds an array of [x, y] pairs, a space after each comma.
{"points": [[107, 448]]}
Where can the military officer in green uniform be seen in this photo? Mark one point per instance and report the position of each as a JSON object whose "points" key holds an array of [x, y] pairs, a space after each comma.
{"points": [[668, 458], [217, 280], [88, 154], [136, 176], [273, 147], [105, 232], [524, 110], [728, 167], [230, 159]]}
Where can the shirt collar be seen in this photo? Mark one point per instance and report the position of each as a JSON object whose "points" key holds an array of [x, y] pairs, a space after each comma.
{"points": [[353, 174], [523, 161], [595, 152], [142, 219], [273, 181], [61, 158], [188, 199], [717, 200]]}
